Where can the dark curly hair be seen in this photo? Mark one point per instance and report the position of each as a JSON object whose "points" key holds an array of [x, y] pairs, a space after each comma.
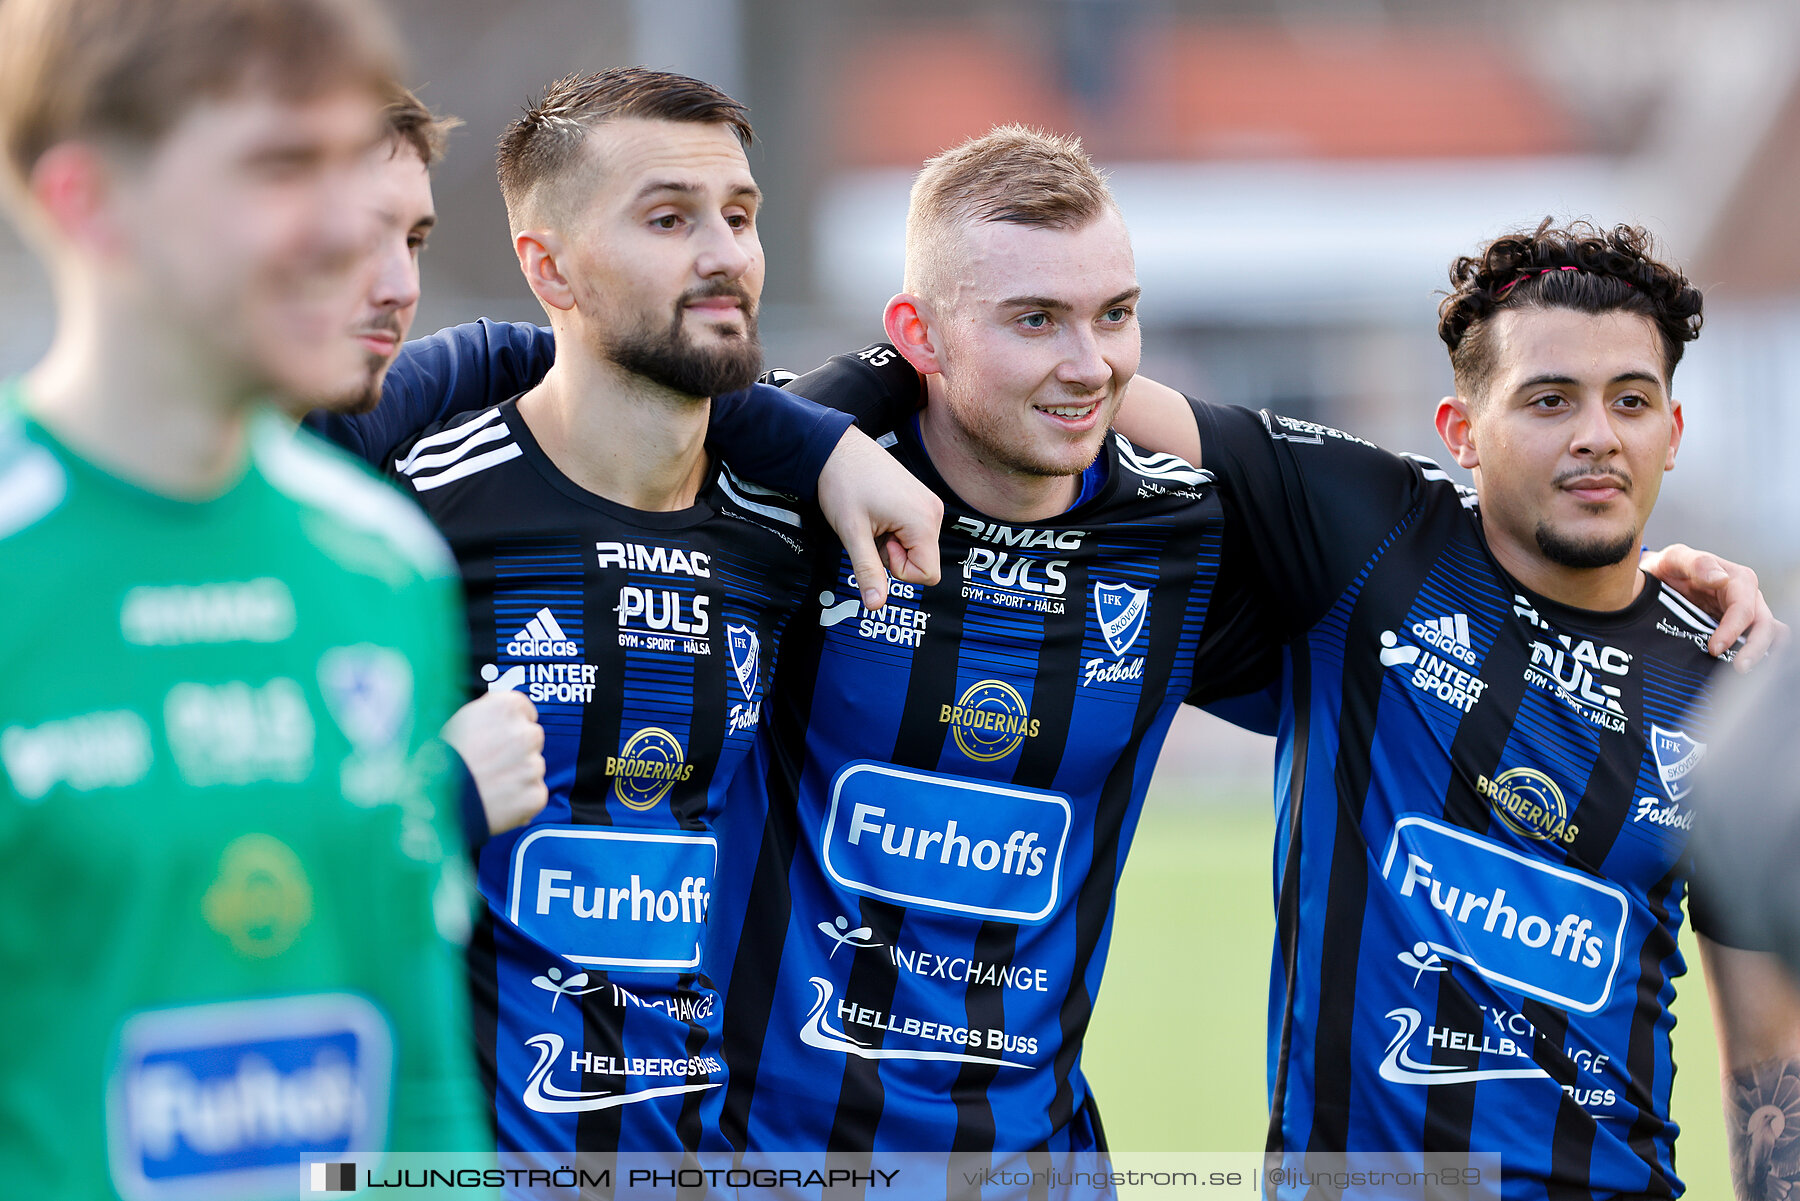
{"points": [[1576, 266]]}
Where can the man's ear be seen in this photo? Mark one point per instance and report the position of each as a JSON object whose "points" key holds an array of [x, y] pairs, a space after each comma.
{"points": [[538, 251], [73, 186], [1675, 428], [911, 327], [1454, 427]]}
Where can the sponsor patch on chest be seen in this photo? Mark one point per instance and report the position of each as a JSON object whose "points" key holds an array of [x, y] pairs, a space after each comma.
{"points": [[632, 900], [941, 842], [224, 1100], [1518, 920]]}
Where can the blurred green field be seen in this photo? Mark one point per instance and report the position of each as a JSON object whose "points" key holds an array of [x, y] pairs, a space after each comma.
{"points": [[1191, 942]]}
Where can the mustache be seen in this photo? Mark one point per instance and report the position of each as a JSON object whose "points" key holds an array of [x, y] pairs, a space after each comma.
{"points": [[719, 287], [386, 323], [1594, 473]]}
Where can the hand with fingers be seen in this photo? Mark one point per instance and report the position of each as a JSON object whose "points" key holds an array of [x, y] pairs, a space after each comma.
{"points": [[498, 736], [887, 520], [1728, 593]]}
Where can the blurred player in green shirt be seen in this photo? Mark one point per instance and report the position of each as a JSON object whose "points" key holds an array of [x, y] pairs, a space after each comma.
{"points": [[228, 878]]}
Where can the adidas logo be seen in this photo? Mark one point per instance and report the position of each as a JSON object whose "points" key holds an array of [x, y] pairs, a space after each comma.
{"points": [[1449, 634], [542, 638]]}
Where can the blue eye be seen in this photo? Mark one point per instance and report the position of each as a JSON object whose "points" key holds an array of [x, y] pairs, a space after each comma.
{"points": [[1035, 320]]}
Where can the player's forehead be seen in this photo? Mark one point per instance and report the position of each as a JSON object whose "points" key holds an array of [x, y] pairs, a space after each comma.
{"points": [[255, 124], [1080, 268], [1560, 343], [639, 160], [401, 184]]}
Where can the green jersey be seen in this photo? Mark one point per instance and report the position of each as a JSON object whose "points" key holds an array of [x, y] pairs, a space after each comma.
{"points": [[229, 887]]}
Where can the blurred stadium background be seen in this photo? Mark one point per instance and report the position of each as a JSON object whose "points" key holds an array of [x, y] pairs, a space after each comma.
{"points": [[1297, 174]]}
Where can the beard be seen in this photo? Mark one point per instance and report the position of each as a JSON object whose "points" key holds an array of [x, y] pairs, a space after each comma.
{"points": [[1584, 554], [366, 395], [667, 356]]}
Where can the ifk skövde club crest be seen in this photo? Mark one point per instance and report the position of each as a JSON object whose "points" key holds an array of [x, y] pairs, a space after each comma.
{"points": [[1121, 610], [746, 651]]}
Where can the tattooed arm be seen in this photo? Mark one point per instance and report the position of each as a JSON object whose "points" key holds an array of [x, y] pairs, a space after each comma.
{"points": [[1756, 1014]]}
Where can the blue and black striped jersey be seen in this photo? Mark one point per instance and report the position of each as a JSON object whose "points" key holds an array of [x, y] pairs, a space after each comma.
{"points": [[1482, 818], [647, 642], [922, 863]]}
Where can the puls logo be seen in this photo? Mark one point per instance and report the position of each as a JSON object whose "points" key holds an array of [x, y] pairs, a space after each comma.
{"points": [[1015, 573], [647, 767], [1120, 609], [1572, 670], [989, 720], [1011, 580]]}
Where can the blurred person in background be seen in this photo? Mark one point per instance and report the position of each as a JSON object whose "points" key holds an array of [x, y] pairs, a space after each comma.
{"points": [[496, 736], [227, 649], [1745, 808]]}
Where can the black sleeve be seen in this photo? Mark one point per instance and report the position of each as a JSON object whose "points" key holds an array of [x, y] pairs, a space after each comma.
{"points": [[470, 812], [1240, 649], [877, 387], [1314, 503], [1745, 890], [774, 438], [454, 370]]}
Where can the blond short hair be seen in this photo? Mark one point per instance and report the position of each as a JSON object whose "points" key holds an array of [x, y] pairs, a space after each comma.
{"points": [[1012, 174], [127, 71]]}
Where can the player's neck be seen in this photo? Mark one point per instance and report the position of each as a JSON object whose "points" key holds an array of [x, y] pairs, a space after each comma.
{"points": [[1597, 589], [991, 488], [140, 402], [618, 435]]}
